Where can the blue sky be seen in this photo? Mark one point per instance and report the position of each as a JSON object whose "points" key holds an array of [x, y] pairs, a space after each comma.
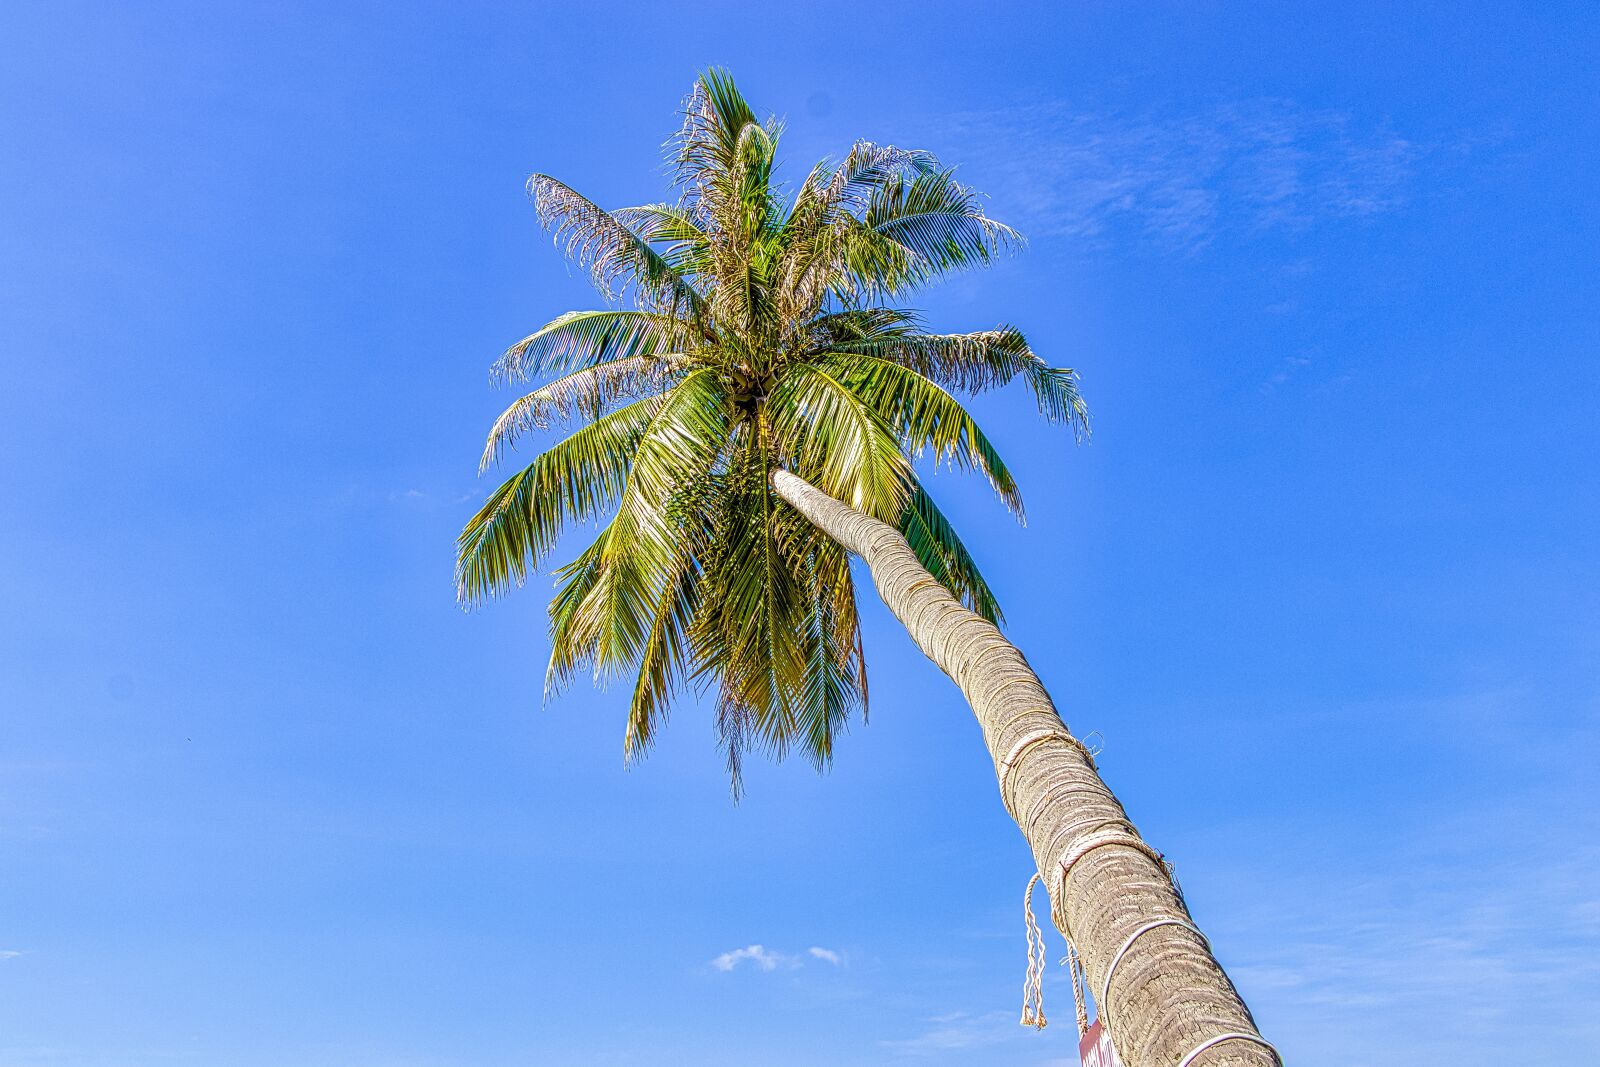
{"points": [[1326, 580]]}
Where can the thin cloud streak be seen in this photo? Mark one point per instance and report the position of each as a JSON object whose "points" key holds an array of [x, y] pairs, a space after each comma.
{"points": [[765, 959], [1475, 932], [759, 955], [1181, 179]]}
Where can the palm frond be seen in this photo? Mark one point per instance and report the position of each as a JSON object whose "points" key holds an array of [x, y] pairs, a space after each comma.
{"points": [[573, 480], [934, 540], [614, 255], [645, 543], [749, 637], [839, 442], [923, 416], [938, 221], [664, 660], [835, 673], [688, 247], [589, 393], [570, 647], [714, 116], [974, 362], [580, 339]]}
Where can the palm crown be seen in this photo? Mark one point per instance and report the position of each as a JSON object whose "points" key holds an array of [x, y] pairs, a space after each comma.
{"points": [[759, 339]]}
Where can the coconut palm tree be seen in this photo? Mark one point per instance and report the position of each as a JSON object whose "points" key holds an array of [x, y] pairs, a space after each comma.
{"points": [[748, 424]]}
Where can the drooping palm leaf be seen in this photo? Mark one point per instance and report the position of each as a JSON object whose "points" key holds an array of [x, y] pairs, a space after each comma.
{"points": [[975, 362], [582, 339], [923, 416], [589, 393], [934, 541], [574, 480], [614, 255]]}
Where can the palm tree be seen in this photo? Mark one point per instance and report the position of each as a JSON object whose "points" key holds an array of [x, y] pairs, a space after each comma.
{"points": [[748, 424]]}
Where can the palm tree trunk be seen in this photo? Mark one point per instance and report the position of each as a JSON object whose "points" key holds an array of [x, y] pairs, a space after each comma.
{"points": [[1168, 996]]}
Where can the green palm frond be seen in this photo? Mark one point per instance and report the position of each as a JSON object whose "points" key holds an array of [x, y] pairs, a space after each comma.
{"points": [[664, 662], [757, 340], [744, 637], [681, 241], [923, 416], [934, 541], [570, 647], [644, 545], [834, 685], [574, 480], [840, 443], [585, 338], [589, 393], [714, 116], [974, 362], [938, 221]]}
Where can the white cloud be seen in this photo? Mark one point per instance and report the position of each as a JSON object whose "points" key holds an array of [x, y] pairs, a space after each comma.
{"points": [[759, 955], [765, 959], [1180, 178], [9, 953]]}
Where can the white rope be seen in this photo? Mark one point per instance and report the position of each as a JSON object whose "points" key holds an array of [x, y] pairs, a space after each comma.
{"points": [[1220, 1038], [1105, 987], [1009, 761], [1075, 968], [1033, 981], [1087, 844]]}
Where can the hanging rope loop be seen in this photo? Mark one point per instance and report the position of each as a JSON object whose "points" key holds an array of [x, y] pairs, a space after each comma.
{"points": [[1075, 968], [1033, 981]]}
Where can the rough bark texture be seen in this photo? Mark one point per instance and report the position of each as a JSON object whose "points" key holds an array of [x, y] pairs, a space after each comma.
{"points": [[1168, 994]]}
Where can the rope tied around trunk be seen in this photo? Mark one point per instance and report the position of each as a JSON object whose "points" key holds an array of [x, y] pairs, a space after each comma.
{"points": [[1155, 924], [1220, 1038], [1113, 835], [1075, 967], [1031, 739], [1103, 832]]}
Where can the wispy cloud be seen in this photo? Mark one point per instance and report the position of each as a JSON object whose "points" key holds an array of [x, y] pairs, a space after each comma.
{"points": [[760, 956], [427, 500], [1450, 937], [956, 1032], [1181, 178], [765, 959], [10, 953], [1444, 966], [1288, 368]]}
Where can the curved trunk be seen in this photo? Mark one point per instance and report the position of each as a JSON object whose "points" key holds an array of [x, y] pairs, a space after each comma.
{"points": [[1111, 895]]}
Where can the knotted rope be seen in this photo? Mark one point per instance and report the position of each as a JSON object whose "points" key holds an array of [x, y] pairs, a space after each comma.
{"points": [[1033, 981], [1102, 831], [1075, 968]]}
